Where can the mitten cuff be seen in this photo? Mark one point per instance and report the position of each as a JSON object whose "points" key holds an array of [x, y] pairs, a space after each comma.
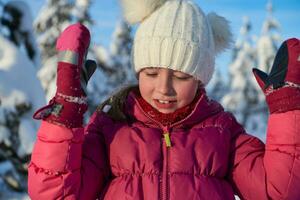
{"points": [[63, 110], [284, 99]]}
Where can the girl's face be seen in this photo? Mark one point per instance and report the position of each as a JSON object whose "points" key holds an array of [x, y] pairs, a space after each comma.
{"points": [[167, 90]]}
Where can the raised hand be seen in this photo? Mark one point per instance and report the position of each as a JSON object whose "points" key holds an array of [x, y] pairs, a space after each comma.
{"points": [[282, 86], [73, 72]]}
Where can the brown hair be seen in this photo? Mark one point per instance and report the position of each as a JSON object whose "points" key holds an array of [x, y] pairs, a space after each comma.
{"points": [[117, 101]]}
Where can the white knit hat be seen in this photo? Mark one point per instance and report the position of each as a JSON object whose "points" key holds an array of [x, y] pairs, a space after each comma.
{"points": [[176, 34]]}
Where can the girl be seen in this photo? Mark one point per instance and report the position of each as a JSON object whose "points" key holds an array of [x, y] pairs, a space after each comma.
{"points": [[165, 139]]}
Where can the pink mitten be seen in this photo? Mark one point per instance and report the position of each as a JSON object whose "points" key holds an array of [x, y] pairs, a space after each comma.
{"points": [[70, 103], [282, 85]]}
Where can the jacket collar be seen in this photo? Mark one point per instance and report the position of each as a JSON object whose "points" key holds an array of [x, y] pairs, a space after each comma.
{"points": [[203, 109]]}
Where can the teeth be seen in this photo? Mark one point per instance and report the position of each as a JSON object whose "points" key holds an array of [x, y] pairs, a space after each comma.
{"points": [[164, 102]]}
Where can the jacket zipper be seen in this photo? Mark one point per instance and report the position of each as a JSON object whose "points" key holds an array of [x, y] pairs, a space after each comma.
{"points": [[167, 139], [164, 178], [166, 171], [166, 144]]}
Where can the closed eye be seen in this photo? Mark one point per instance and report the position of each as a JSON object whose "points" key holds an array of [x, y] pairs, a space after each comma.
{"points": [[151, 74], [182, 77]]}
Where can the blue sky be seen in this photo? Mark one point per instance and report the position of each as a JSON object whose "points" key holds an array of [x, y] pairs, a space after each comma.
{"points": [[287, 12], [106, 13]]}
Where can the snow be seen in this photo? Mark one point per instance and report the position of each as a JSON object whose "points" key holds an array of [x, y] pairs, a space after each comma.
{"points": [[5, 192], [53, 18], [26, 22], [18, 79], [27, 132], [4, 136], [19, 85], [267, 42], [81, 6], [47, 76], [5, 166], [102, 54], [25, 29], [245, 98], [217, 87], [266, 50]]}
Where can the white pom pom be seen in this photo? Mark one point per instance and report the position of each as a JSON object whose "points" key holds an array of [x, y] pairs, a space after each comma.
{"points": [[136, 10], [221, 32]]}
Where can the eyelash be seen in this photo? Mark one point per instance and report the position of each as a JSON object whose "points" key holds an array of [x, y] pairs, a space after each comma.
{"points": [[177, 77], [182, 78], [151, 74]]}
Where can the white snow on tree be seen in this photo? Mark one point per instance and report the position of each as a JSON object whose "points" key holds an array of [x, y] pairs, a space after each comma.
{"points": [[217, 87], [81, 12], [267, 43], [243, 98], [120, 50], [17, 22], [114, 63], [52, 19], [20, 95], [115, 66]]}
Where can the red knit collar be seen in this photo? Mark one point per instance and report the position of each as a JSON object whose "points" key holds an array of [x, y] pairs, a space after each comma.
{"points": [[170, 118]]}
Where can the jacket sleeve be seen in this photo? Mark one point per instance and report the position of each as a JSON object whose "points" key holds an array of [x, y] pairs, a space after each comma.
{"points": [[68, 163], [270, 171]]}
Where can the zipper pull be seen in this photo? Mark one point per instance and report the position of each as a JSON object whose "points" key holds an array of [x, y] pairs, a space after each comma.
{"points": [[167, 139]]}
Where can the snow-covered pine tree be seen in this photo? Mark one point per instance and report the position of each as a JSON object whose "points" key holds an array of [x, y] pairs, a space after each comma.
{"points": [[17, 20], [97, 88], [242, 99], [115, 65], [217, 87], [51, 20], [17, 102], [120, 50], [81, 12], [246, 100], [267, 43], [266, 48]]}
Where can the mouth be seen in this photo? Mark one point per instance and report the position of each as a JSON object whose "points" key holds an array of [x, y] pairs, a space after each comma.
{"points": [[164, 104]]}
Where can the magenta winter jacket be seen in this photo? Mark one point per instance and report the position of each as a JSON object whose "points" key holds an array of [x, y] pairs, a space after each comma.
{"points": [[211, 158]]}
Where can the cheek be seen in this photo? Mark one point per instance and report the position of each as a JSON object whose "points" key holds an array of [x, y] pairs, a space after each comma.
{"points": [[187, 92], [145, 87]]}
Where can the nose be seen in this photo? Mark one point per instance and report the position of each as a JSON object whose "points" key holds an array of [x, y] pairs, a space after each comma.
{"points": [[164, 84]]}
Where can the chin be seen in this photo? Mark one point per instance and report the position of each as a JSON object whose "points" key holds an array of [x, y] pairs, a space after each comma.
{"points": [[166, 111]]}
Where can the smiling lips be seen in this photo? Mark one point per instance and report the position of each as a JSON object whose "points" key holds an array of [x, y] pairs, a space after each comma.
{"points": [[164, 104]]}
